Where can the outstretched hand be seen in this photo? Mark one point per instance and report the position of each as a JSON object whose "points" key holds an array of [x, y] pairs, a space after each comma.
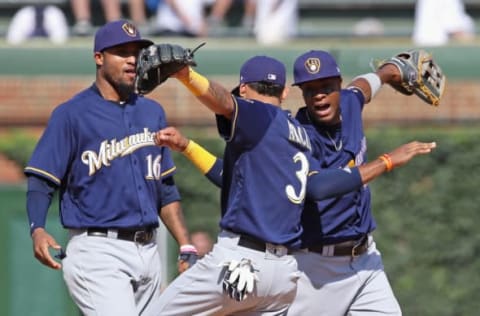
{"points": [[394, 159], [406, 152]]}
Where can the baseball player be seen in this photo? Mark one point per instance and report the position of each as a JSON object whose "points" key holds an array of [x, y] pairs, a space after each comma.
{"points": [[98, 152], [342, 272], [264, 184]]}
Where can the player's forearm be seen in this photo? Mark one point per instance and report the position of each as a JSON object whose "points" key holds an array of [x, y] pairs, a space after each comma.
{"points": [[373, 169], [217, 98], [172, 216], [39, 197], [369, 84]]}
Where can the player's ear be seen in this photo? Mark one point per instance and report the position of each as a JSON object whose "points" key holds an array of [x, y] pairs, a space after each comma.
{"points": [[242, 90], [98, 57], [285, 92]]}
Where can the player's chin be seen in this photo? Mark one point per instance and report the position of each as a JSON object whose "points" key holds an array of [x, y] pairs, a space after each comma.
{"points": [[321, 112], [126, 88]]}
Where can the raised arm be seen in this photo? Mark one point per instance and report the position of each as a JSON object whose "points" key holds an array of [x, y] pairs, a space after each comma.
{"points": [[370, 83], [342, 181], [158, 62], [213, 95]]}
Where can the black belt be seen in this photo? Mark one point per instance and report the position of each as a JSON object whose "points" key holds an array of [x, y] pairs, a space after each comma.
{"points": [[357, 248], [255, 244], [141, 236]]}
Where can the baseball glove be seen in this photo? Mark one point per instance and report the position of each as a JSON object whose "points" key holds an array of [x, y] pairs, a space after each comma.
{"points": [[157, 63], [239, 279], [420, 74]]}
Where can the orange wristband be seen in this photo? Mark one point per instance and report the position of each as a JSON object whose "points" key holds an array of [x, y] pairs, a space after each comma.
{"points": [[387, 160]]}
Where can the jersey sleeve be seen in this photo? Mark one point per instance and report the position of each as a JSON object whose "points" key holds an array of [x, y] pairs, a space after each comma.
{"points": [[168, 167], [327, 183], [39, 196], [53, 151], [170, 191], [249, 123], [215, 174], [354, 95]]}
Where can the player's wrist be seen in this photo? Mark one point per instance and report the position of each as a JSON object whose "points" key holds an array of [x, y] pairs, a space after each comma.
{"points": [[387, 160], [36, 230], [188, 255], [200, 157], [188, 248], [374, 81], [195, 82], [389, 73]]}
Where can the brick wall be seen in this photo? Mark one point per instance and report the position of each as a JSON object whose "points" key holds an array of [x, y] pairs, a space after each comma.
{"points": [[28, 102]]}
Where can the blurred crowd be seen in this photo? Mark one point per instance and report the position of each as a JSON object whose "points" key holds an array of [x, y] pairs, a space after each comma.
{"points": [[192, 18], [436, 22]]}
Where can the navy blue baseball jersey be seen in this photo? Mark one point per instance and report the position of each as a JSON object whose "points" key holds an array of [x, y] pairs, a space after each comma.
{"points": [[94, 148], [266, 163], [346, 217]]}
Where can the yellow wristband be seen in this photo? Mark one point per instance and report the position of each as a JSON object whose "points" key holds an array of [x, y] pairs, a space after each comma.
{"points": [[196, 83], [199, 156], [387, 160]]}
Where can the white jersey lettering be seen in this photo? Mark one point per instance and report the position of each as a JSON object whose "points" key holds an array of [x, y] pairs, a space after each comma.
{"points": [[109, 150]]}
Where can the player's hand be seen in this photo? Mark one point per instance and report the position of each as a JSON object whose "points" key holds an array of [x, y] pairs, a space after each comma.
{"points": [[42, 241], [406, 152], [390, 74], [182, 74], [171, 138], [420, 74]]}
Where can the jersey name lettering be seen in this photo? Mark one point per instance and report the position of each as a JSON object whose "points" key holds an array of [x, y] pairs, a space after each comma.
{"points": [[298, 135], [112, 149], [360, 157]]}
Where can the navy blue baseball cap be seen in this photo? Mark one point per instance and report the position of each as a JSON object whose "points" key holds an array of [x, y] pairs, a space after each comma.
{"points": [[263, 69], [118, 33], [313, 65]]}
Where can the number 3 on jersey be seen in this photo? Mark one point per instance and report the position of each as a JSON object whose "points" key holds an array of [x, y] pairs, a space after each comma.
{"points": [[302, 175]]}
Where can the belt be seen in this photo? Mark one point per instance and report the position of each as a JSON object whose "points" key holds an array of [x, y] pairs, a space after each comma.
{"points": [[352, 248], [256, 244], [142, 236]]}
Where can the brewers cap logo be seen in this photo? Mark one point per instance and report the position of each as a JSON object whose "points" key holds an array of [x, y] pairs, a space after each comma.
{"points": [[312, 65], [130, 29]]}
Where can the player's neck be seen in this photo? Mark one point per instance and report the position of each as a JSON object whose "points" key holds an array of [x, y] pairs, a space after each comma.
{"points": [[253, 95], [108, 92]]}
